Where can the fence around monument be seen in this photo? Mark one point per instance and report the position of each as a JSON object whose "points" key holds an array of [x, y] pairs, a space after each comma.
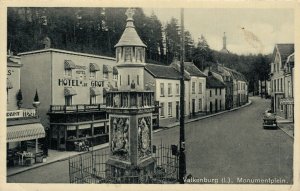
{"points": [[90, 168]]}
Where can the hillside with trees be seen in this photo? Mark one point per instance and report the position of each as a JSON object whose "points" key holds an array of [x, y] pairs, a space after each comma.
{"points": [[97, 30]]}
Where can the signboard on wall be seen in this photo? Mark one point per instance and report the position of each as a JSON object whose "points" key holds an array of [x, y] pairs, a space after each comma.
{"points": [[20, 113], [79, 83]]}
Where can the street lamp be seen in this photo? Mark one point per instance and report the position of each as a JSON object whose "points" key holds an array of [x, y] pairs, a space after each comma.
{"points": [[182, 162]]}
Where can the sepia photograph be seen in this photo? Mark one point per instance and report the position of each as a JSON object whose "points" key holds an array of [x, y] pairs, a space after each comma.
{"points": [[149, 95]]}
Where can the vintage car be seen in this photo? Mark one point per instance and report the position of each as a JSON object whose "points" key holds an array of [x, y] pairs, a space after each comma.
{"points": [[269, 120]]}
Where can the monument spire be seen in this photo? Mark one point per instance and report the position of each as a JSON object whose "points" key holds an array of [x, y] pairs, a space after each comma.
{"points": [[224, 49]]}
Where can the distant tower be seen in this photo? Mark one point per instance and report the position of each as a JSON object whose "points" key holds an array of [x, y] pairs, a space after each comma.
{"points": [[224, 49]]}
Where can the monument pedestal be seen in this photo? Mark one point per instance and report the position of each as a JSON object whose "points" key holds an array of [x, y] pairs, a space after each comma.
{"points": [[130, 116]]}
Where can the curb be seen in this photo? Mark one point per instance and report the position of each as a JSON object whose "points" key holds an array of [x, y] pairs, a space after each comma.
{"points": [[54, 161], [203, 117], [285, 132]]}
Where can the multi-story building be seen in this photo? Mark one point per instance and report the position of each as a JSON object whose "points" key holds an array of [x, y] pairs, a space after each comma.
{"points": [[165, 82], [288, 100], [197, 93], [281, 54], [215, 94], [235, 82], [23, 125], [73, 87]]}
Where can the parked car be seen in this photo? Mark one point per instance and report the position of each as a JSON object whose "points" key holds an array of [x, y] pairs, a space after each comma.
{"points": [[269, 120]]}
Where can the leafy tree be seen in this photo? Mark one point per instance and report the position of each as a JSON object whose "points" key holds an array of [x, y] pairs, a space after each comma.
{"points": [[202, 54]]}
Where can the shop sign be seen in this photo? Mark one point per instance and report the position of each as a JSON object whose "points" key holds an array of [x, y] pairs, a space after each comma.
{"points": [[286, 102], [79, 83], [20, 113]]}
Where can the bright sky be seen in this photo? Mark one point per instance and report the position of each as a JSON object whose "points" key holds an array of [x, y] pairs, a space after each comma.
{"points": [[263, 28]]}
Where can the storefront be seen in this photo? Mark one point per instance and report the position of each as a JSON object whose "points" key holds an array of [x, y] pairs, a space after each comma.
{"points": [[75, 124], [24, 136]]}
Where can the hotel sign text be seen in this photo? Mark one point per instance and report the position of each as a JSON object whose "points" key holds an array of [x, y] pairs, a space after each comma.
{"points": [[80, 83]]}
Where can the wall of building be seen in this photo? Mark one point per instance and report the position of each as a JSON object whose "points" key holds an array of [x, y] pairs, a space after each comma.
{"points": [[36, 75], [277, 83], [13, 75], [215, 96], [198, 95], [81, 80]]}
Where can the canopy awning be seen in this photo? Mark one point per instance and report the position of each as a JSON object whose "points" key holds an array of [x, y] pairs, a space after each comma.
{"points": [[69, 64], [94, 67], [8, 84], [95, 91], [105, 69], [115, 71], [70, 91], [25, 132]]}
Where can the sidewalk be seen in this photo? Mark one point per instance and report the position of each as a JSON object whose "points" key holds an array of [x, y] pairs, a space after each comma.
{"points": [[286, 126], [55, 156], [169, 123]]}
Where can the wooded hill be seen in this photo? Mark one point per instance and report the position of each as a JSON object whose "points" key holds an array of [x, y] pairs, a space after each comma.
{"points": [[97, 30]]}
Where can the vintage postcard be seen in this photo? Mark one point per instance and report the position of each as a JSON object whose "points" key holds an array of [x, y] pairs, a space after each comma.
{"points": [[194, 95]]}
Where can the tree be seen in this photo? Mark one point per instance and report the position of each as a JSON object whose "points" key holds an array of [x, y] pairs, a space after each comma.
{"points": [[202, 54], [172, 37]]}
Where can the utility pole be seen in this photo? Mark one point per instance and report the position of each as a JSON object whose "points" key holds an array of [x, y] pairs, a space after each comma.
{"points": [[182, 162]]}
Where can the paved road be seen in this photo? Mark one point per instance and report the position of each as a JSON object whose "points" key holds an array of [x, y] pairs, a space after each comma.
{"points": [[231, 145]]}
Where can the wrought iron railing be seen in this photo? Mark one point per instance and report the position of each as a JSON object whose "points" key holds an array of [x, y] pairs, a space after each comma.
{"points": [[91, 168], [76, 108]]}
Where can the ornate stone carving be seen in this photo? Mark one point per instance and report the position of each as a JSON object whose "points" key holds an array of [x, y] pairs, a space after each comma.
{"points": [[144, 137], [120, 138]]}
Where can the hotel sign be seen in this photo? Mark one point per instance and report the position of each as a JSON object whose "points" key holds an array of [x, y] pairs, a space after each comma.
{"points": [[80, 83], [20, 113]]}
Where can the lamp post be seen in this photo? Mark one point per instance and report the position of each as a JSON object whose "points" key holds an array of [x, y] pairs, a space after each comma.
{"points": [[182, 162]]}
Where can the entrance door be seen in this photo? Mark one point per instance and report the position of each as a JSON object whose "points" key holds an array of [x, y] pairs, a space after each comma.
{"points": [[177, 109], [216, 105], [210, 107], [193, 106]]}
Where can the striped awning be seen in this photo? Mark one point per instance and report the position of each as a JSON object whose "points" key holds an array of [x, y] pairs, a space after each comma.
{"points": [[25, 132], [95, 91], [69, 64], [105, 69], [115, 71], [94, 67], [70, 91], [8, 84]]}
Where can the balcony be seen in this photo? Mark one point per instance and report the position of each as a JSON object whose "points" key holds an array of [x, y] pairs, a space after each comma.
{"points": [[130, 99], [76, 108]]}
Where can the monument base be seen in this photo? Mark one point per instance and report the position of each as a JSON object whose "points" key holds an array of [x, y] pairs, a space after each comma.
{"points": [[129, 173]]}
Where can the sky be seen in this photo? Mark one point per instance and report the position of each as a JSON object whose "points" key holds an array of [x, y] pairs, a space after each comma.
{"points": [[247, 30]]}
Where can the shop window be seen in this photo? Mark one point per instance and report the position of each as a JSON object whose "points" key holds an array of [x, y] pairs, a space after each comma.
{"points": [[68, 100], [170, 109], [193, 87], [200, 104], [92, 74], [105, 75], [162, 110], [177, 89], [169, 89], [162, 90], [93, 99], [200, 88], [68, 72]]}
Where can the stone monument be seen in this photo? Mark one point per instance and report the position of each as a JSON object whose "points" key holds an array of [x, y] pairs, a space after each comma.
{"points": [[130, 110]]}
